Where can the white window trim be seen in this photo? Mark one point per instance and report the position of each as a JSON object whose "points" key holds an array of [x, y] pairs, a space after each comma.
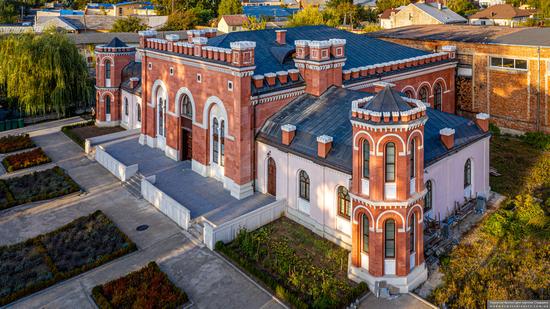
{"points": [[199, 78], [507, 68]]}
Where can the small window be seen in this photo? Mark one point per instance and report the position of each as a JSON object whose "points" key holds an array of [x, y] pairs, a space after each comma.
{"points": [[365, 230], [467, 173], [423, 94], [521, 64], [438, 96], [107, 69], [428, 196], [107, 104], [304, 186], [366, 159], [149, 65], [344, 204], [139, 113], [508, 63], [324, 53], [186, 108], [229, 85], [389, 239], [390, 162], [126, 106], [339, 51], [199, 77], [171, 71]]}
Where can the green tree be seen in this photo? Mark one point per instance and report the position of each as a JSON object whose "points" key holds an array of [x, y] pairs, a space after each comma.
{"points": [[44, 73], [253, 23], [230, 7], [128, 24], [309, 16], [8, 12], [181, 20], [388, 4], [462, 7]]}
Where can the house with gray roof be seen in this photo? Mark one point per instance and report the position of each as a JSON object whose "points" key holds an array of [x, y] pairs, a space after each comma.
{"points": [[420, 13]]}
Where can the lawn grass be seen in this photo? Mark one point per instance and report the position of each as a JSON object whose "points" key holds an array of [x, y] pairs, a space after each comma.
{"points": [[25, 159], [148, 287], [36, 186], [79, 132], [299, 266], [507, 255], [37, 263], [13, 143]]}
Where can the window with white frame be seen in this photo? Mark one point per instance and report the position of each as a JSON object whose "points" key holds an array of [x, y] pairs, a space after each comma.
{"points": [[171, 71], [508, 63], [199, 77], [304, 186], [229, 85]]}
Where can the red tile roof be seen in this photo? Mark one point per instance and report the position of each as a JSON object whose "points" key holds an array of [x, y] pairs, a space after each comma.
{"points": [[501, 11], [234, 20]]}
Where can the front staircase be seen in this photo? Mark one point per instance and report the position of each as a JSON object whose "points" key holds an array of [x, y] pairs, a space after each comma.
{"points": [[133, 185], [196, 230]]}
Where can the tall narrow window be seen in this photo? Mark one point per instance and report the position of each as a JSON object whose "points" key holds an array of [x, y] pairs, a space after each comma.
{"points": [[215, 140], [389, 239], [304, 186], [365, 230], [138, 112], [161, 116], [412, 230], [107, 64], [390, 162], [107, 104], [222, 143], [467, 173], [423, 94], [126, 106], [412, 159], [428, 196], [366, 159], [344, 205], [438, 96]]}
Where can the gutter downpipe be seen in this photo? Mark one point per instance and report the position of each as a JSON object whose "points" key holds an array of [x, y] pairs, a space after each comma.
{"points": [[538, 93]]}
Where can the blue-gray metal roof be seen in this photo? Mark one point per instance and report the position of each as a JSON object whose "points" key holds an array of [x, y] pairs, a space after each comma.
{"points": [[275, 12], [330, 114], [361, 50]]}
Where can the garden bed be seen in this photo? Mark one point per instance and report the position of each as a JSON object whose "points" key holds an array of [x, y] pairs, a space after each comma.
{"points": [[37, 263], [13, 143], [25, 160], [79, 132], [37, 186], [299, 266], [148, 287]]}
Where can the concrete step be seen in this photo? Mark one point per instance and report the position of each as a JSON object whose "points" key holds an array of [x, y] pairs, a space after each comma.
{"points": [[133, 185], [196, 231]]}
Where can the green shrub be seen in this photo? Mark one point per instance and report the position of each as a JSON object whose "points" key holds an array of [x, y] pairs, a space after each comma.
{"points": [[70, 134], [495, 131], [538, 140]]}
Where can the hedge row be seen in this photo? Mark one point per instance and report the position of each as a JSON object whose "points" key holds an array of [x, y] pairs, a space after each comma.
{"points": [[13, 143], [38, 243], [25, 160], [68, 131]]}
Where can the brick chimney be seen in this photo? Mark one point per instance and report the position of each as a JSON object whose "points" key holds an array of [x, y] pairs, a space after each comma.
{"points": [[447, 137], [482, 121], [281, 37], [243, 53], [324, 144], [144, 35], [288, 133]]}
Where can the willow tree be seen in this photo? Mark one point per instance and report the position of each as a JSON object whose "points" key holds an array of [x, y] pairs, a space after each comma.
{"points": [[43, 73]]}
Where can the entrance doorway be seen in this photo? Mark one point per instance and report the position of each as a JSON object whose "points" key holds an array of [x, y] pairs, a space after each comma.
{"points": [[186, 119], [271, 177], [186, 144]]}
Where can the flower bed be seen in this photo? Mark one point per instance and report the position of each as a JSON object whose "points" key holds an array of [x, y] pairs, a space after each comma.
{"points": [[148, 287], [25, 160], [79, 132], [37, 263], [37, 186], [13, 143], [299, 266]]}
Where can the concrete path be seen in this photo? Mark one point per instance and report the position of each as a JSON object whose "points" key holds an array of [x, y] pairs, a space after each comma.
{"points": [[43, 125], [209, 281], [403, 301]]}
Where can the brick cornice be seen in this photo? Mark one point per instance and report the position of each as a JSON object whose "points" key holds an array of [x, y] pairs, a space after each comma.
{"points": [[389, 204]]}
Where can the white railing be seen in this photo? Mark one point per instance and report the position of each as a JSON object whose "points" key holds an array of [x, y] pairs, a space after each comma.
{"points": [[114, 166], [227, 231], [92, 142], [167, 205]]}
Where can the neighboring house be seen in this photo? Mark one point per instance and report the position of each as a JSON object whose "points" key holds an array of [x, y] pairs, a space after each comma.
{"points": [[502, 71], [120, 9], [419, 13], [16, 28], [288, 3], [269, 13], [370, 4], [308, 116], [62, 12], [501, 15], [487, 3], [231, 23], [96, 23]]}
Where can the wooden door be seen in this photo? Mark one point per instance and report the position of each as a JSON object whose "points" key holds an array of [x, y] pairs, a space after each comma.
{"points": [[271, 177], [186, 144]]}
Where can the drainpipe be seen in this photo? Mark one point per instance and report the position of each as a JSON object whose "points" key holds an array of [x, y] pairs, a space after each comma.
{"points": [[254, 159], [538, 94]]}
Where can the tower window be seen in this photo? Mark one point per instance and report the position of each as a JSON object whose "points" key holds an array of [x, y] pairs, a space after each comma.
{"points": [[365, 228], [412, 159], [412, 226], [389, 239], [390, 162], [366, 159], [107, 69]]}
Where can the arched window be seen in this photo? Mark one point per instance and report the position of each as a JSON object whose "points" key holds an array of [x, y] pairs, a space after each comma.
{"points": [[390, 162], [389, 239], [409, 94], [365, 230], [138, 106], [412, 229], [366, 159], [222, 143], [186, 108], [107, 104], [107, 65], [428, 196], [126, 106], [467, 173], [423, 94], [161, 116], [438, 96], [344, 205], [304, 186], [412, 159], [215, 140]]}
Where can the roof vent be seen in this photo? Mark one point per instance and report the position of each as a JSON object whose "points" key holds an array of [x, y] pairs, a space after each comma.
{"points": [[324, 144]]}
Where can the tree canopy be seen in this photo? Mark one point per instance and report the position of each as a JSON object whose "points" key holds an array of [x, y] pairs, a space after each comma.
{"points": [[181, 20], [8, 11], [230, 7], [43, 73], [128, 24], [462, 7], [382, 5], [309, 16], [253, 23]]}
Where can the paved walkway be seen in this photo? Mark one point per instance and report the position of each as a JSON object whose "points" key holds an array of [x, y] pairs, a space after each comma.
{"points": [[208, 280], [403, 301]]}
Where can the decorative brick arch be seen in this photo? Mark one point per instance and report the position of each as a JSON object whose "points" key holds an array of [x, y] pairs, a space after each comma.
{"points": [[358, 211], [211, 101], [181, 92], [404, 146], [441, 81], [105, 58], [413, 134], [367, 134], [411, 211], [156, 85], [390, 214], [428, 85], [108, 93], [411, 88]]}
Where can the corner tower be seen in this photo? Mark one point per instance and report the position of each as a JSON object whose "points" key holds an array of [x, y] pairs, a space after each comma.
{"points": [[387, 189], [110, 60]]}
